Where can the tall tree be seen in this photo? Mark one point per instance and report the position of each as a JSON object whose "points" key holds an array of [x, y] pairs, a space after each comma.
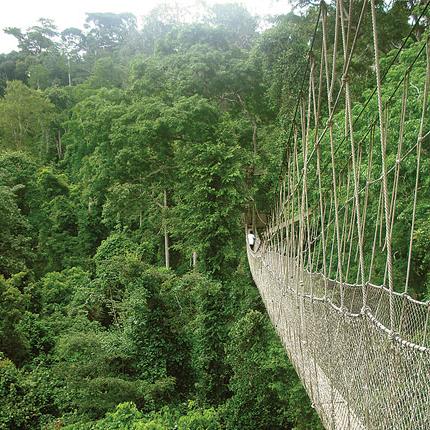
{"points": [[25, 117]]}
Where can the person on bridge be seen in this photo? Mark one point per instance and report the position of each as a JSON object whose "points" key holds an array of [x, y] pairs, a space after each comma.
{"points": [[251, 239]]}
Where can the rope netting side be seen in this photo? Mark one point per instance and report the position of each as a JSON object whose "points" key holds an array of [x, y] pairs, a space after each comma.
{"points": [[356, 376]]}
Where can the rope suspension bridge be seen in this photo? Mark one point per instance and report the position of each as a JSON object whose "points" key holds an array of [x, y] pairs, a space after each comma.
{"points": [[335, 263]]}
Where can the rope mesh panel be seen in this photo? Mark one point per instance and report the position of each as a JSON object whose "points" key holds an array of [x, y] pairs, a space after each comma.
{"points": [[369, 379], [335, 265]]}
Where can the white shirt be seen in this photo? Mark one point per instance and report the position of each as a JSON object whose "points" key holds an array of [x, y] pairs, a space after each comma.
{"points": [[251, 239]]}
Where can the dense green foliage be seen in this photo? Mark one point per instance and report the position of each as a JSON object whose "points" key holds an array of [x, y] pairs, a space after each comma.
{"points": [[115, 141]]}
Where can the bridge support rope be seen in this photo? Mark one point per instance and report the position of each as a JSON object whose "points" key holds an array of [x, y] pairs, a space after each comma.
{"points": [[325, 265]]}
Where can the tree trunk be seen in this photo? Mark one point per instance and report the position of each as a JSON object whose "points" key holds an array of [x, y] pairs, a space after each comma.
{"points": [[254, 137], [166, 235], [68, 71], [59, 146], [46, 135]]}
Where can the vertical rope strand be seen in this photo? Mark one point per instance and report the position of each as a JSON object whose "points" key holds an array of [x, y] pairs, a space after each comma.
{"points": [[384, 168], [417, 177]]}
